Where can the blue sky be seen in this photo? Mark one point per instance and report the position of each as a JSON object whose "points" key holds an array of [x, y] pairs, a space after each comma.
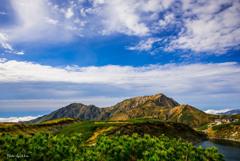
{"points": [[100, 52]]}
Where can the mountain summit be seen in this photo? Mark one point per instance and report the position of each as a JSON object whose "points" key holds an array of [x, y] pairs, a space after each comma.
{"points": [[156, 106]]}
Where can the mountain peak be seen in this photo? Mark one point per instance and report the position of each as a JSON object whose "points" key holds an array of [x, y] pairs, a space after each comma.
{"points": [[153, 106]]}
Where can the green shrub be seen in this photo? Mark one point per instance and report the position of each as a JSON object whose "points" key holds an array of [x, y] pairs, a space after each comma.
{"points": [[218, 127], [44, 146]]}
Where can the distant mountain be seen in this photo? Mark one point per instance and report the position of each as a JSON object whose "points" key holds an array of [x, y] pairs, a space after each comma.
{"points": [[231, 112], [156, 106]]}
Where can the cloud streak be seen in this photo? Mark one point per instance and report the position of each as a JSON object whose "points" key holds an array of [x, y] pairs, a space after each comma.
{"points": [[200, 85], [16, 119], [216, 111], [181, 79]]}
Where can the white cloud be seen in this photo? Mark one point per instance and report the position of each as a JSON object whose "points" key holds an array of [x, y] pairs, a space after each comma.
{"points": [[204, 26], [35, 21], [130, 17], [51, 21], [216, 111], [9, 49], [3, 37], [3, 13], [69, 13], [7, 46], [201, 85], [210, 78], [145, 45], [2, 60], [16, 119], [167, 19], [19, 53], [208, 27], [123, 18]]}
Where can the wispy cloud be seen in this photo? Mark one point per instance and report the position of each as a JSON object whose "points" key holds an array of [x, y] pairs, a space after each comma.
{"points": [[217, 111], [19, 53], [2, 60], [7, 46], [209, 26], [14, 71], [145, 45], [206, 26], [3, 13], [16, 119]]}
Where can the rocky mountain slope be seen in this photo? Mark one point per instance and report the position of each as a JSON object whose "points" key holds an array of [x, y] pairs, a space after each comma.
{"points": [[156, 106]]}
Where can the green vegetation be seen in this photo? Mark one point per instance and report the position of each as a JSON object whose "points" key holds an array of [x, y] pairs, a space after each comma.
{"points": [[44, 146], [31, 129], [86, 128], [141, 126], [190, 115], [230, 131], [219, 127], [204, 127]]}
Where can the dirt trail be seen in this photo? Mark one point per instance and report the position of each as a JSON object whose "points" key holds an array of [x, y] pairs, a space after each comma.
{"points": [[96, 133]]}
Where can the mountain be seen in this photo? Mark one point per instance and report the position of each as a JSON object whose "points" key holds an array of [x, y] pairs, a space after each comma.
{"points": [[189, 115], [74, 110], [156, 106], [147, 106], [231, 112]]}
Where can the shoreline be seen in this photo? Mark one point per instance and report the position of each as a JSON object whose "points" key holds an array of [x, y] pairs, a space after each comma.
{"points": [[226, 139]]}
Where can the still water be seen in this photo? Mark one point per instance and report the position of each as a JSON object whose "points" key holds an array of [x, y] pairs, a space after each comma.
{"points": [[230, 150]]}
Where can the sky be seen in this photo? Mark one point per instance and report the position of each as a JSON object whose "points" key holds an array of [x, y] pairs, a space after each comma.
{"points": [[53, 53]]}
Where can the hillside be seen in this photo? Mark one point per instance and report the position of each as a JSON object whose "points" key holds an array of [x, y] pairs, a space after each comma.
{"points": [[91, 129], [31, 129], [74, 110], [230, 131], [190, 115], [156, 106]]}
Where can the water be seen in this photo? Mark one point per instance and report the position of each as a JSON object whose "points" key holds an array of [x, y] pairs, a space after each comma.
{"points": [[230, 150]]}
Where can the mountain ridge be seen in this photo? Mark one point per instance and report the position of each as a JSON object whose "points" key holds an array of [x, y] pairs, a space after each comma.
{"points": [[156, 106]]}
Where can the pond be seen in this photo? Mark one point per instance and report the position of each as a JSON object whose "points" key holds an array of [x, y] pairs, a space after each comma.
{"points": [[230, 150]]}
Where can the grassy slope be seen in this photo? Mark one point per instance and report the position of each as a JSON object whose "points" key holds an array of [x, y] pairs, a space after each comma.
{"points": [[86, 128], [128, 127], [31, 129], [230, 131], [204, 127], [190, 115]]}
